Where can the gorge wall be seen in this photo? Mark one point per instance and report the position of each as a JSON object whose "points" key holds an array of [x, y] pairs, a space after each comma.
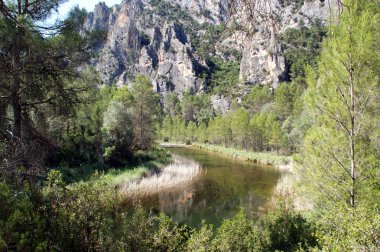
{"points": [[165, 40]]}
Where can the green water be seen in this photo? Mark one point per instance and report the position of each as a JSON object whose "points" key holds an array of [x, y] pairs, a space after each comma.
{"points": [[223, 186]]}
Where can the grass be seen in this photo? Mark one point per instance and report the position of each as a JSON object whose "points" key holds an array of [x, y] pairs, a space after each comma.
{"points": [[266, 158], [143, 163], [180, 172]]}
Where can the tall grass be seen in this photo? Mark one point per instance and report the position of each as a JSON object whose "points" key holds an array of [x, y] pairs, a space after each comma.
{"points": [[180, 172], [259, 157]]}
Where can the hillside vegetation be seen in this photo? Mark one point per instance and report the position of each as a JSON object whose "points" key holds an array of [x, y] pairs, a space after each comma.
{"points": [[71, 148]]}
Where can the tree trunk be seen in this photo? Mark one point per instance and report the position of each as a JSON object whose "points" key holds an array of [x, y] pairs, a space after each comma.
{"points": [[352, 143], [3, 113], [16, 103]]}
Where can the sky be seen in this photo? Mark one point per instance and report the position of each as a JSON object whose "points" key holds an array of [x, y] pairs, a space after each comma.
{"points": [[87, 4]]}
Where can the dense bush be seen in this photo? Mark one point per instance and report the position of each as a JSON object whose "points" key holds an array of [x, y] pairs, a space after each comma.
{"points": [[285, 230], [89, 216]]}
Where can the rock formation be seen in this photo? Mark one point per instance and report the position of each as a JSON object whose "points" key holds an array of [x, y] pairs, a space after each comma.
{"points": [[154, 37]]}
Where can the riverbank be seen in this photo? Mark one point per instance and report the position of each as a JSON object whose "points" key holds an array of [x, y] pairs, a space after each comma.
{"points": [[278, 161], [144, 164]]}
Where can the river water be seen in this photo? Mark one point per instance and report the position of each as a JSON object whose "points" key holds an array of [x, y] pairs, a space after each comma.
{"points": [[218, 192]]}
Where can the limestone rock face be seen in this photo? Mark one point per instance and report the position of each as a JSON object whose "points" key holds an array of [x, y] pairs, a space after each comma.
{"points": [[263, 61], [154, 38], [140, 39], [219, 102]]}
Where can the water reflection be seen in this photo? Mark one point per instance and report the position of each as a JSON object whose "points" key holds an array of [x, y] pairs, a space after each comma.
{"points": [[223, 187]]}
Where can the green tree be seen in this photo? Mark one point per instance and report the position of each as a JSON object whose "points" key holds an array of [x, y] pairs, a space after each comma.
{"points": [[38, 72], [283, 100], [285, 230], [342, 95], [240, 127], [257, 131], [78, 135], [340, 154], [191, 131], [167, 128], [302, 45], [38, 64], [179, 128], [257, 98], [144, 112], [118, 132], [277, 136], [201, 240], [188, 107], [202, 135], [124, 96], [172, 104]]}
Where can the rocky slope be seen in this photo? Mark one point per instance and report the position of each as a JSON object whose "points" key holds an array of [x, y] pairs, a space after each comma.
{"points": [[163, 39]]}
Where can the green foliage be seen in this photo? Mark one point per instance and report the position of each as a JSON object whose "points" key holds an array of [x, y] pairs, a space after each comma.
{"points": [[200, 241], [171, 12], [345, 229], [17, 215], [240, 127], [196, 108], [117, 132], [90, 215], [172, 105], [191, 131], [263, 157], [340, 162], [262, 132], [286, 230], [237, 234], [205, 44], [257, 98], [286, 100], [302, 46], [224, 76], [124, 96], [169, 236], [79, 132], [74, 20], [144, 112], [342, 103]]}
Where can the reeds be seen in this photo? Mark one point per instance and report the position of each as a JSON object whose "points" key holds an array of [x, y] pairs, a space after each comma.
{"points": [[178, 173], [264, 158]]}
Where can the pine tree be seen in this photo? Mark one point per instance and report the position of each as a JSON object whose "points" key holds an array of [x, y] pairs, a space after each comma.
{"points": [[191, 131], [240, 127], [339, 150], [38, 67], [144, 112]]}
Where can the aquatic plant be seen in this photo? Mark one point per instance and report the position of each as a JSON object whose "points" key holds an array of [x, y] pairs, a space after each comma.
{"points": [[181, 171]]}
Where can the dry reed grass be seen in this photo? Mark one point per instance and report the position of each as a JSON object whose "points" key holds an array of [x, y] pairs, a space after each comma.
{"points": [[178, 173]]}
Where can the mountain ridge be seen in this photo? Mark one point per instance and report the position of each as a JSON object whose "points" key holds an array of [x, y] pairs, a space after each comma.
{"points": [[166, 41]]}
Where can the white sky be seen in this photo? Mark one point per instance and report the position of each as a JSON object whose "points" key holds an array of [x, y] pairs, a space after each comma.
{"points": [[87, 4]]}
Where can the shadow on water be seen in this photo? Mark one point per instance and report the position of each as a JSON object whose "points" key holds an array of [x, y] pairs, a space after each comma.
{"points": [[223, 186]]}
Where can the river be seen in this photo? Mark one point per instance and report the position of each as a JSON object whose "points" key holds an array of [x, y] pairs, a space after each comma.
{"points": [[223, 186]]}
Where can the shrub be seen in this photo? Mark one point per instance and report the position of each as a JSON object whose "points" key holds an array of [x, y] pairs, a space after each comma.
{"points": [[201, 240], [237, 234], [286, 230]]}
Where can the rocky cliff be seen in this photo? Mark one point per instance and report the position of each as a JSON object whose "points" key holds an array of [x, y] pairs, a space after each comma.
{"points": [[165, 40]]}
